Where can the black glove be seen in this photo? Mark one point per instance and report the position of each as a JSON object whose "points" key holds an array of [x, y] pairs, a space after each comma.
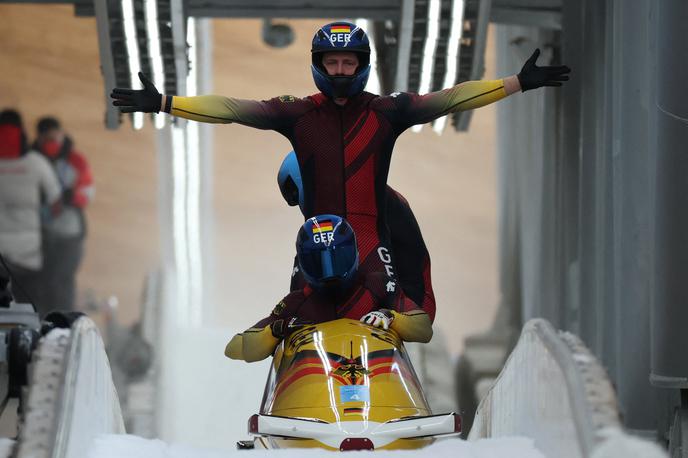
{"points": [[533, 77], [147, 99], [283, 327]]}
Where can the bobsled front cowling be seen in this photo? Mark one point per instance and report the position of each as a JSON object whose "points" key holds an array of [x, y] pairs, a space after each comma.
{"points": [[344, 382]]}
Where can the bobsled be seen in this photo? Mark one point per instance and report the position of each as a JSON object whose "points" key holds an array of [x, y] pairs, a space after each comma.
{"points": [[344, 385]]}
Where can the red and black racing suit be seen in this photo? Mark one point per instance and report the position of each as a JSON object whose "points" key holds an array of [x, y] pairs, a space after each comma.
{"points": [[367, 293], [411, 257], [344, 152]]}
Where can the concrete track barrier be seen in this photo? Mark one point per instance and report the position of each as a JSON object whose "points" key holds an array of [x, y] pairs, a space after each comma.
{"points": [[71, 398], [553, 390]]}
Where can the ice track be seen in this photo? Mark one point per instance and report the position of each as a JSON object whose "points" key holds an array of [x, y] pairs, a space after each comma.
{"points": [[552, 399], [136, 447]]}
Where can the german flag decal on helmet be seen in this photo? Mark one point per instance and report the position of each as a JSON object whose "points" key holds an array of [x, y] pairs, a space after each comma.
{"points": [[340, 28], [324, 225]]}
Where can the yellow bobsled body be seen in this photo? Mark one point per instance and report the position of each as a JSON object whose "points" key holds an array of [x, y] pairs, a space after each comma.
{"points": [[345, 385]]}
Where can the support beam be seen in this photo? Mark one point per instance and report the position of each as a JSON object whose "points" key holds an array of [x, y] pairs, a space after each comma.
{"points": [[531, 17], [405, 38], [370, 9], [178, 28], [472, 51], [112, 117], [669, 311]]}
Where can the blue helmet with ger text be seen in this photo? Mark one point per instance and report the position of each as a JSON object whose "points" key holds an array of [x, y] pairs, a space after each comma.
{"points": [[326, 251], [340, 36]]}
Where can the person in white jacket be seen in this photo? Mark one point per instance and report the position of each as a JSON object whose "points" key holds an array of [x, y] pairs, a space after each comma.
{"points": [[26, 182], [64, 235]]}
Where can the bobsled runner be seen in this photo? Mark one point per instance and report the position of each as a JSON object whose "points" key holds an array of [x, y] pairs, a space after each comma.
{"points": [[344, 385]]}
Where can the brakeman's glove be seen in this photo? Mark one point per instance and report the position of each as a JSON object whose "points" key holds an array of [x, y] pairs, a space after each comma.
{"points": [[147, 99], [379, 318], [283, 327], [533, 77]]}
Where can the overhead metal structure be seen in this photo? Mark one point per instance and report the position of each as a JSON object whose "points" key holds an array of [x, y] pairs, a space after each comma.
{"points": [[159, 37], [422, 45], [471, 58], [544, 14], [435, 42], [294, 9]]}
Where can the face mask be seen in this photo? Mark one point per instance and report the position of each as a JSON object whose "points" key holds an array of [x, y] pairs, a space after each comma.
{"points": [[10, 141], [51, 148]]}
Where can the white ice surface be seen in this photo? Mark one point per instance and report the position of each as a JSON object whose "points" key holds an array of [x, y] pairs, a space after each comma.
{"points": [[118, 446], [6, 446], [205, 398], [616, 444]]}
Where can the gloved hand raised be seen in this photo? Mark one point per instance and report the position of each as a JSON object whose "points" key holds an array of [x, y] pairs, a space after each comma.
{"points": [[147, 99], [533, 77], [379, 318]]}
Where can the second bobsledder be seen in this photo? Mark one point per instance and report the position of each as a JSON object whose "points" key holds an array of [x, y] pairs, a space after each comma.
{"points": [[344, 385]]}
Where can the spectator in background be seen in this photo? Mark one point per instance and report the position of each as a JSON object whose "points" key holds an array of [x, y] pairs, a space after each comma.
{"points": [[26, 183], [64, 234]]}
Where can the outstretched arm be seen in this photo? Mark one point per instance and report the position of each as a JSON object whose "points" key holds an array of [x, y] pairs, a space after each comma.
{"points": [[271, 114], [419, 109], [223, 110]]}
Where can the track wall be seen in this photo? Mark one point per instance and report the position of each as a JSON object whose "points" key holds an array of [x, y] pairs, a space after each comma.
{"points": [[554, 391], [71, 397], [585, 187]]}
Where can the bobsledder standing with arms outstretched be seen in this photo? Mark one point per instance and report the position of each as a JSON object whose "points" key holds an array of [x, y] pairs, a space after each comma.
{"points": [[340, 378], [342, 135]]}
